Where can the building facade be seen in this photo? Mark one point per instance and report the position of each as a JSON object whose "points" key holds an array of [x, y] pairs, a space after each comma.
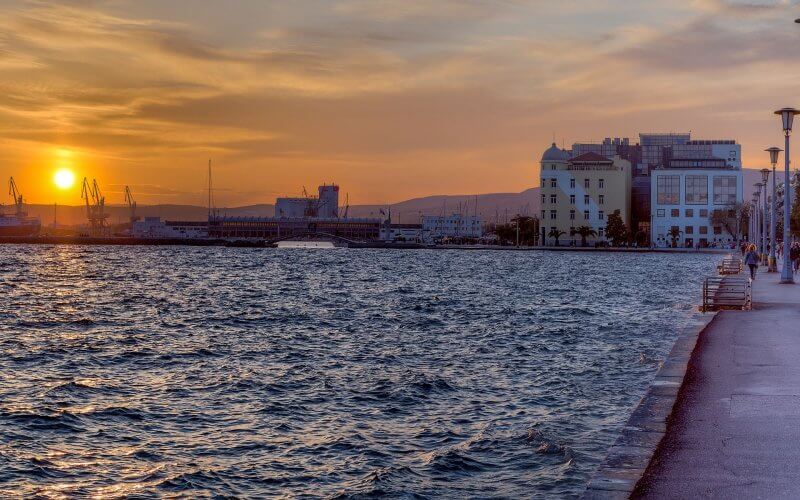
{"points": [[582, 191], [684, 197], [658, 151], [154, 227], [452, 226]]}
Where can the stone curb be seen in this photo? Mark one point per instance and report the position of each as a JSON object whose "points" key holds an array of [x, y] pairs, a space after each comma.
{"points": [[627, 460]]}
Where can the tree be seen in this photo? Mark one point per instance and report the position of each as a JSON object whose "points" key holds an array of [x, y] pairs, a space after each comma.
{"points": [[674, 233], [555, 233], [732, 218], [584, 232], [616, 230], [528, 231], [794, 215]]}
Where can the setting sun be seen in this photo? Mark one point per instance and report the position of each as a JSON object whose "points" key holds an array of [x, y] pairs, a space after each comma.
{"points": [[64, 178]]}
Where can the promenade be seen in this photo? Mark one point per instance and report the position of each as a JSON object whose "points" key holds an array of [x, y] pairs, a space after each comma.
{"points": [[735, 428]]}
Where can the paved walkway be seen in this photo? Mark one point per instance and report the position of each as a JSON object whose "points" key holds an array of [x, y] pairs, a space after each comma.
{"points": [[735, 430]]}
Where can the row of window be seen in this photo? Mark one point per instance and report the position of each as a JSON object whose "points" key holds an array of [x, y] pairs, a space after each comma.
{"points": [[689, 212], [668, 189], [586, 215], [600, 232], [601, 199], [700, 229], [601, 183]]}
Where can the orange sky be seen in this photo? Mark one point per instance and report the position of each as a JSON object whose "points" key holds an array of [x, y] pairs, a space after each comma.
{"points": [[391, 99]]}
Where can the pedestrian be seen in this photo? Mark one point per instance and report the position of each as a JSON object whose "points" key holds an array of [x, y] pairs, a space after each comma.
{"points": [[751, 259], [794, 255]]}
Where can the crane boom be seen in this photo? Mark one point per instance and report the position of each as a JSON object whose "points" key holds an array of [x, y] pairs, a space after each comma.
{"points": [[131, 204], [14, 192]]}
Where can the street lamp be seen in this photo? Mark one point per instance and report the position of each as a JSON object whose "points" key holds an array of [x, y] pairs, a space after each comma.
{"points": [[764, 227], [787, 117], [759, 215], [773, 216]]}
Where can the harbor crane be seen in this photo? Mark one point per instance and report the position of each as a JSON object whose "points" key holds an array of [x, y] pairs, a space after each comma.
{"points": [[131, 205], [95, 206], [14, 192]]}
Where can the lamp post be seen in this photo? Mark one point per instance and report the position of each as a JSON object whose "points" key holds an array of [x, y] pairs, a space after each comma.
{"points": [[764, 227], [759, 215], [787, 117], [773, 216]]}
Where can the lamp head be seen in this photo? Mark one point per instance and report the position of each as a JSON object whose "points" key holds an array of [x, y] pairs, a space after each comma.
{"points": [[764, 175], [773, 154], [787, 116]]}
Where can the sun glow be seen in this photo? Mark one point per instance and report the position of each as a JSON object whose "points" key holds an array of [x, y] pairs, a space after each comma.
{"points": [[64, 178]]}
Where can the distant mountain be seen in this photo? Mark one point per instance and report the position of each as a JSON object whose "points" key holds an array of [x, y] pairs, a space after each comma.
{"points": [[491, 207], [494, 206]]}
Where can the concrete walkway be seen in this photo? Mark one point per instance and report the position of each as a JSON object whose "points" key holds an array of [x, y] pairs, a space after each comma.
{"points": [[735, 428]]}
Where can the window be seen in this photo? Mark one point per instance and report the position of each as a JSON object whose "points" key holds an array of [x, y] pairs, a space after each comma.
{"points": [[586, 199], [600, 215], [572, 215], [703, 229], [552, 214], [689, 212], [717, 229], [553, 183], [689, 230], [668, 189], [586, 183], [542, 214], [553, 199], [601, 183], [572, 183], [703, 212], [586, 215], [601, 199], [572, 199], [660, 212], [544, 199], [601, 233], [696, 190], [553, 167], [724, 190], [675, 212]]}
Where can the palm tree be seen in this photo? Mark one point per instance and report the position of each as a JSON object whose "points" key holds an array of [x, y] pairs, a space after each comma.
{"points": [[555, 233], [584, 232], [674, 233]]}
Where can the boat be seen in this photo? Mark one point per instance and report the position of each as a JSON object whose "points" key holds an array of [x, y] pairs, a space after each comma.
{"points": [[18, 223]]}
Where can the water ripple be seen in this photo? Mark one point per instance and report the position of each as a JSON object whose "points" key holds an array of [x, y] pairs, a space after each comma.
{"points": [[165, 371]]}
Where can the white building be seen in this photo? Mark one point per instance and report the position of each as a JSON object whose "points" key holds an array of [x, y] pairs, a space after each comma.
{"points": [[404, 232], [685, 194], [452, 226], [154, 227]]}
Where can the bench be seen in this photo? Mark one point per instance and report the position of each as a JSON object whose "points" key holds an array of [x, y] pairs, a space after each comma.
{"points": [[731, 265], [727, 292]]}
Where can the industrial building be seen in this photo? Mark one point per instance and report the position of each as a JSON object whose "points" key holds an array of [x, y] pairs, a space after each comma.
{"points": [[269, 228], [325, 206], [154, 227]]}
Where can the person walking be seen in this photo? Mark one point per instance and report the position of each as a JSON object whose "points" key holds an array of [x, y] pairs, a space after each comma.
{"points": [[794, 255], [751, 259]]}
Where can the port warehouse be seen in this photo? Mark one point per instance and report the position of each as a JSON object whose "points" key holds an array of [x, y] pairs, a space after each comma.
{"points": [[275, 228]]}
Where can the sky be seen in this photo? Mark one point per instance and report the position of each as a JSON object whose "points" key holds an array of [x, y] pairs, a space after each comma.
{"points": [[390, 99]]}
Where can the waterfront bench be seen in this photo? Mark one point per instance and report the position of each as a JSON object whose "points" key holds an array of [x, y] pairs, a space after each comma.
{"points": [[727, 292], [732, 265]]}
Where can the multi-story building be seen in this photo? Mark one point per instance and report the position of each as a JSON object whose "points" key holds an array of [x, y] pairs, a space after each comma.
{"points": [[655, 151], [685, 194], [452, 226], [582, 191]]}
